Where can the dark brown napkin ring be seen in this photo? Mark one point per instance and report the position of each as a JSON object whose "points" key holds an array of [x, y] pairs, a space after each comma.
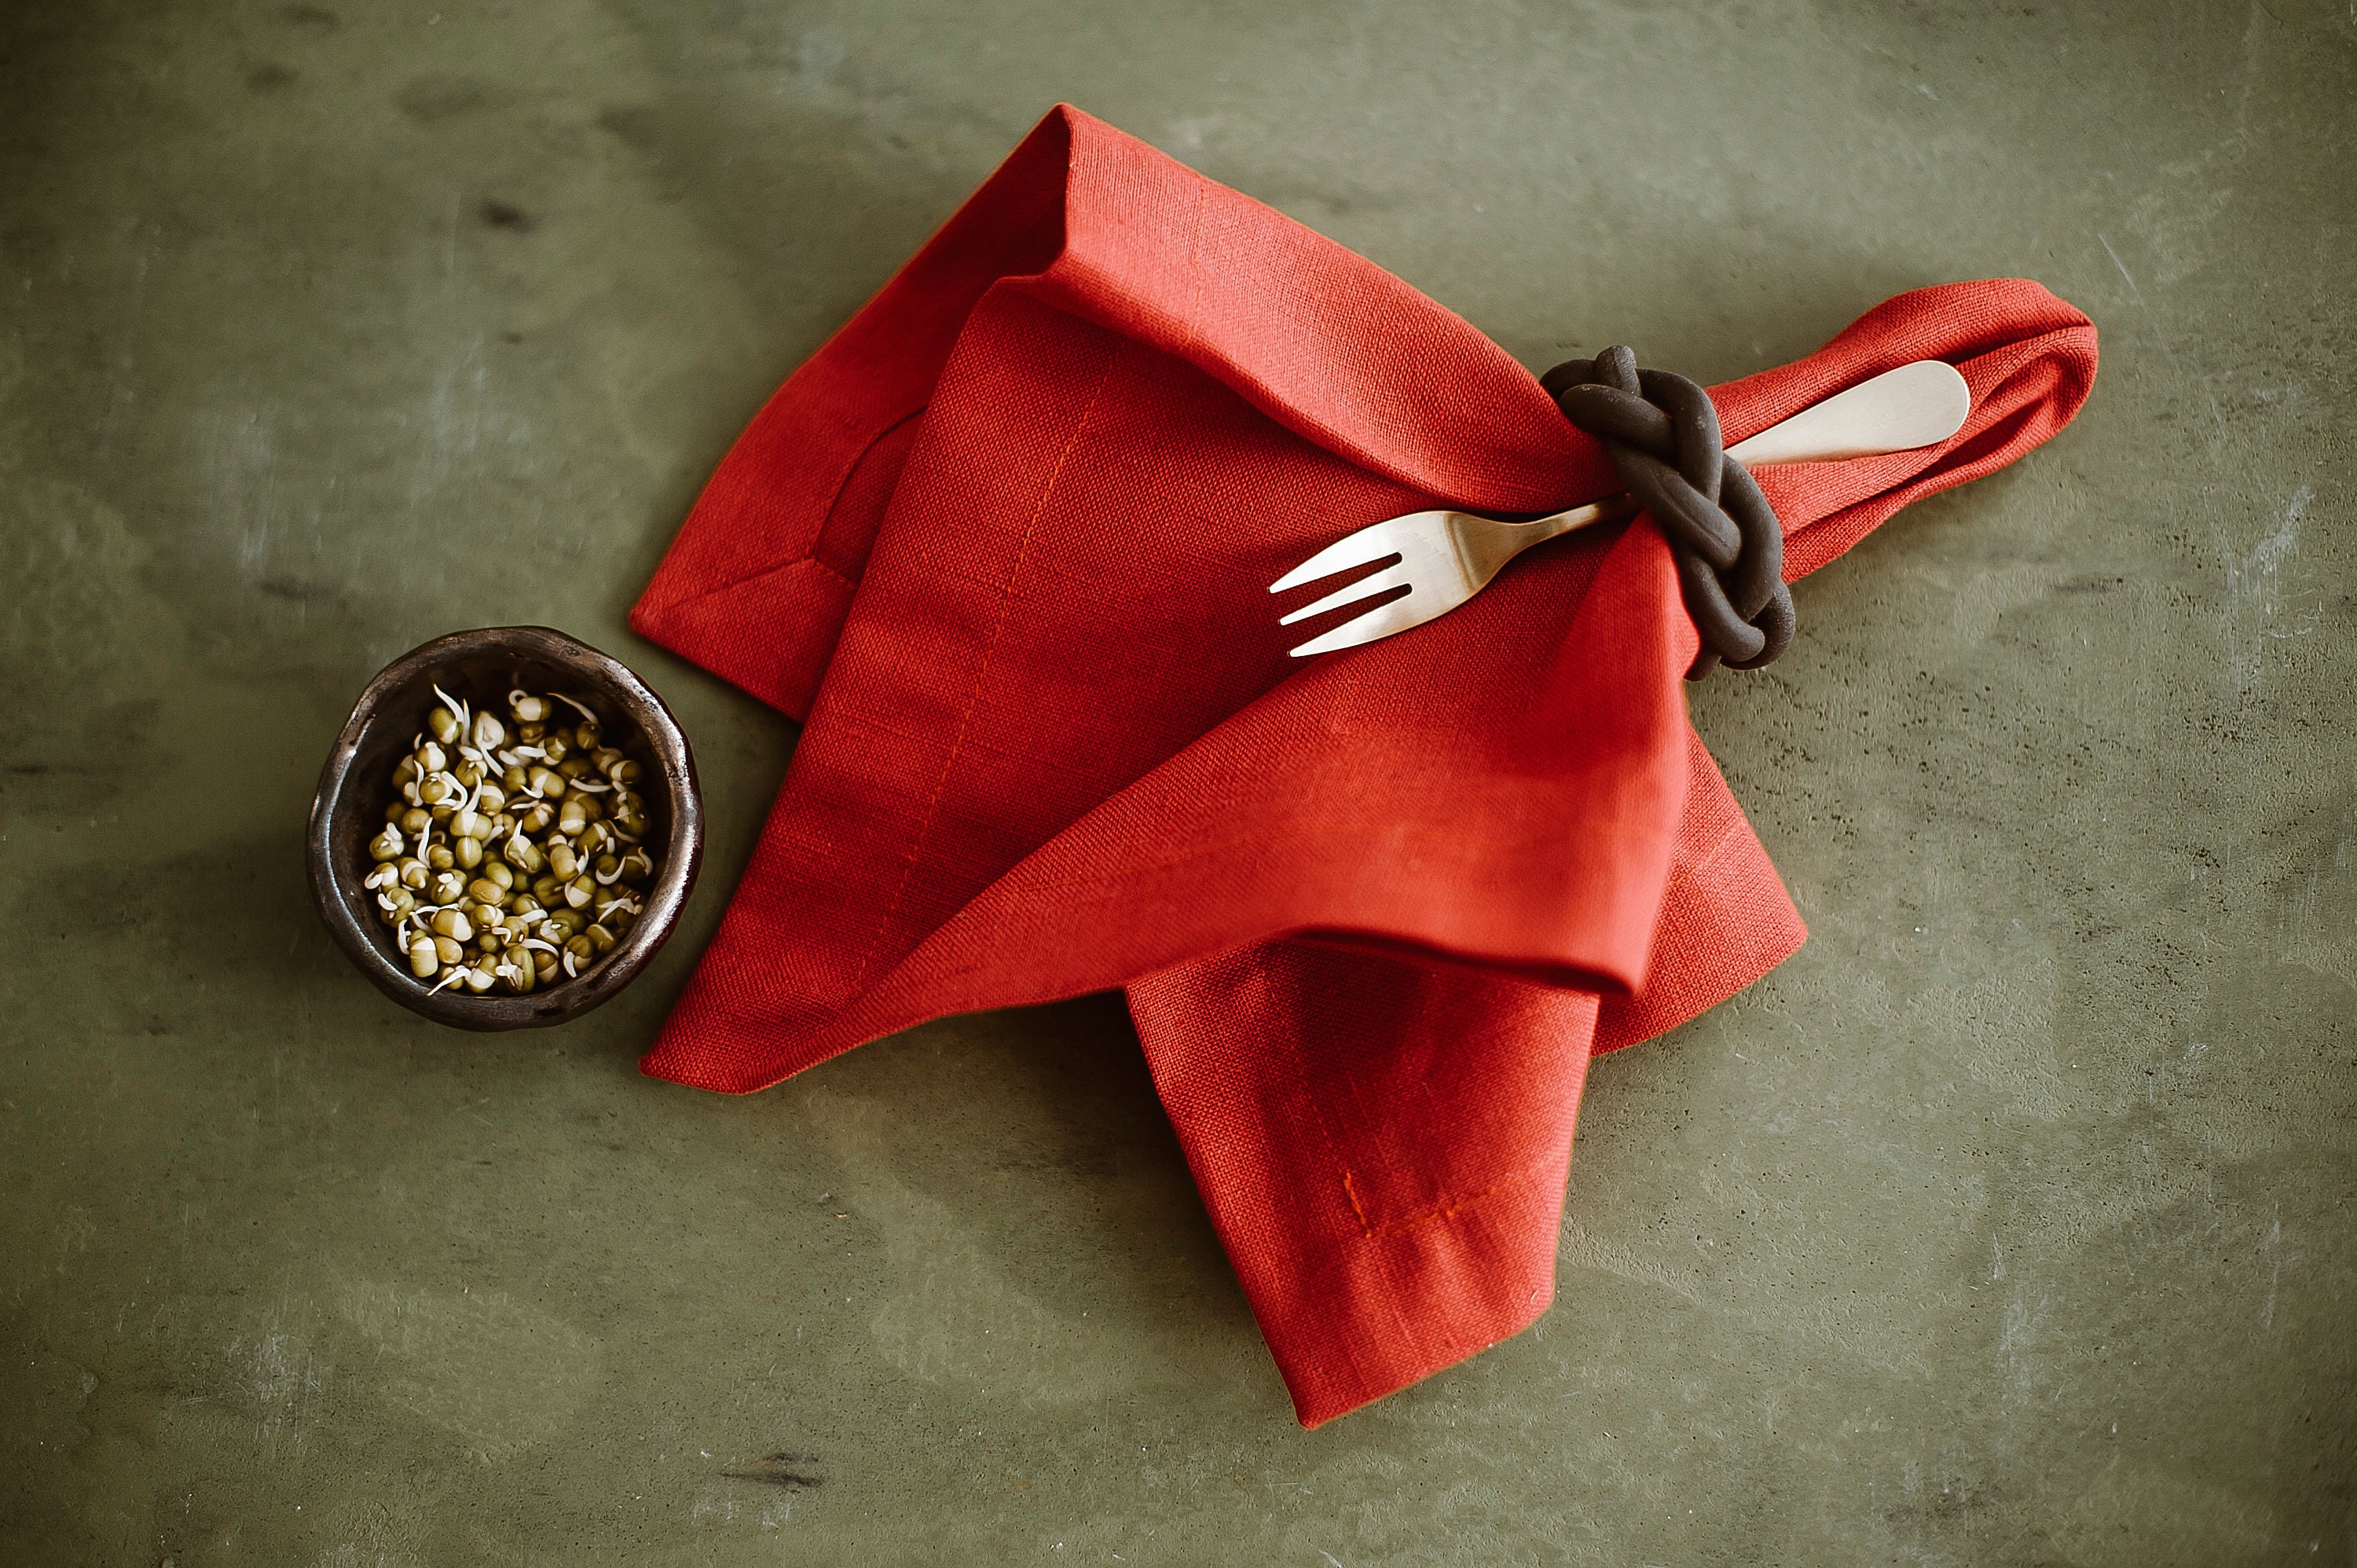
{"points": [[1663, 432]]}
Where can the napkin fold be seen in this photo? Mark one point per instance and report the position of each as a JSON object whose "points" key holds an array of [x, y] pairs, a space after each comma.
{"points": [[1004, 544]]}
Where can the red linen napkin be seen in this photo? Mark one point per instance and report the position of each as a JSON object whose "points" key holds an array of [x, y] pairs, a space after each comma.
{"points": [[1004, 544]]}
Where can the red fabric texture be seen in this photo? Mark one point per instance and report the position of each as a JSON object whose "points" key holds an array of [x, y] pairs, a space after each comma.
{"points": [[1004, 544]]}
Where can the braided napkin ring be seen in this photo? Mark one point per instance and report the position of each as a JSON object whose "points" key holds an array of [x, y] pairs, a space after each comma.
{"points": [[1662, 434]]}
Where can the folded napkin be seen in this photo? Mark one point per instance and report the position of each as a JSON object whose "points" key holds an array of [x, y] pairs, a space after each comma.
{"points": [[1004, 544]]}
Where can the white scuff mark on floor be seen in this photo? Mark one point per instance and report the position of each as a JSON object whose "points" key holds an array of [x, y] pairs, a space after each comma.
{"points": [[2160, 339], [500, 1373], [2256, 598], [280, 1375], [2254, 576], [2017, 1336], [2273, 1247], [237, 453], [1580, 1250], [2311, 924], [455, 413]]}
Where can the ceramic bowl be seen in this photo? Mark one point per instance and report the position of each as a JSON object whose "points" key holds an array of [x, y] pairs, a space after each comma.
{"points": [[481, 668]]}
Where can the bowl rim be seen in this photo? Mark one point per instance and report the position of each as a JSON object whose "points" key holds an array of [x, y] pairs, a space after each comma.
{"points": [[347, 913]]}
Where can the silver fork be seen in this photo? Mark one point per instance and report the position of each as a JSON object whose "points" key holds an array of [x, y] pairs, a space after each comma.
{"points": [[1446, 557]]}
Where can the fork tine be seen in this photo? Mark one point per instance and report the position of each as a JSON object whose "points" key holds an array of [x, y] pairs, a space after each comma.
{"points": [[1412, 608], [1372, 542], [1365, 587]]}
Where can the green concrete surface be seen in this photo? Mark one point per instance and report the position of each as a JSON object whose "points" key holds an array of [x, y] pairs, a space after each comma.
{"points": [[2010, 1222]]}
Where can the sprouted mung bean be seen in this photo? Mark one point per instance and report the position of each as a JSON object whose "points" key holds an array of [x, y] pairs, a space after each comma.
{"points": [[512, 854]]}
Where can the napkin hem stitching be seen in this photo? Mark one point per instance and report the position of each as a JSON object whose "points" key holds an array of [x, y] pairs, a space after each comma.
{"points": [[1225, 846], [753, 574], [1444, 1208], [842, 485], [1370, 1228], [982, 669]]}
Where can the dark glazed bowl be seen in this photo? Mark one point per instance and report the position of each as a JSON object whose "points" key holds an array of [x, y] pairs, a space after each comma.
{"points": [[356, 786]]}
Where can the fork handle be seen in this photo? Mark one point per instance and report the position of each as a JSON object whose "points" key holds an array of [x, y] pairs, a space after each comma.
{"points": [[1611, 509]]}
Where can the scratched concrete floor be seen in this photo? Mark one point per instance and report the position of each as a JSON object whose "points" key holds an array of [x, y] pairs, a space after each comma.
{"points": [[2008, 1223]]}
